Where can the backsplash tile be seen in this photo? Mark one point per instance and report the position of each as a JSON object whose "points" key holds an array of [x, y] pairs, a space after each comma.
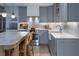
{"points": [[71, 27]]}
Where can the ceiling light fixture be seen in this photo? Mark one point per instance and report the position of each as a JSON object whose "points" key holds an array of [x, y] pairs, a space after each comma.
{"points": [[13, 14], [4, 14], [36, 20]]}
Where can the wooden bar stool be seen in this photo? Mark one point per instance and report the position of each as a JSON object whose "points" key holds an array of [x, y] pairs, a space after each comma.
{"points": [[22, 48], [9, 52], [29, 44], [12, 52]]}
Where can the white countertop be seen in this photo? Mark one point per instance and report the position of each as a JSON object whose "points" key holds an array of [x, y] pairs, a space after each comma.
{"points": [[50, 30], [57, 34], [64, 35], [11, 37], [54, 31]]}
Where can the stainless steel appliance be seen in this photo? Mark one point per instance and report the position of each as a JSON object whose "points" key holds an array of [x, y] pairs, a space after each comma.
{"points": [[2, 24]]}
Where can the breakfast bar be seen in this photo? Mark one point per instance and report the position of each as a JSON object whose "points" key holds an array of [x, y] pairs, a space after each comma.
{"points": [[63, 44], [9, 42]]}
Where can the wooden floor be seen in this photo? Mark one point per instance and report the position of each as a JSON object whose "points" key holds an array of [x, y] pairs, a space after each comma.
{"points": [[41, 51]]}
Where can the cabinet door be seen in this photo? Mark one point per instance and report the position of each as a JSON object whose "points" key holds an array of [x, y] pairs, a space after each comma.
{"points": [[50, 14], [60, 12], [43, 14], [63, 12], [53, 46], [66, 47], [77, 47], [22, 14], [73, 12], [56, 12], [13, 26], [43, 37], [50, 46]]}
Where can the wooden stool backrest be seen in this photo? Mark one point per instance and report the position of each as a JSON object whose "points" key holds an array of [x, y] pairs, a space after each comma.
{"points": [[29, 38]]}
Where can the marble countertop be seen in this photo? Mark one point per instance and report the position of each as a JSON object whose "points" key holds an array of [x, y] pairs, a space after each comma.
{"points": [[57, 34], [64, 35], [11, 37], [54, 31], [50, 30]]}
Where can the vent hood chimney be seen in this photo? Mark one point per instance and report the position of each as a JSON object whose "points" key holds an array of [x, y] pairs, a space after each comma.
{"points": [[32, 10]]}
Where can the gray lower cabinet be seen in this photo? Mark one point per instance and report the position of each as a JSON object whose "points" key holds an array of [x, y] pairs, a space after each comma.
{"points": [[43, 37], [64, 47], [50, 47], [51, 44], [13, 26]]}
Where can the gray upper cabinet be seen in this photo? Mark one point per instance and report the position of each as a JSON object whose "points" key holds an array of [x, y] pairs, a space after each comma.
{"points": [[64, 12], [46, 14], [56, 12], [22, 14], [43, 14], [60, 12], [73, 12], [50, 14]]}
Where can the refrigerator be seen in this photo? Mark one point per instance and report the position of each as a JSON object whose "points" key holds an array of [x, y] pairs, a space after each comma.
{"points": [[2, 24]]}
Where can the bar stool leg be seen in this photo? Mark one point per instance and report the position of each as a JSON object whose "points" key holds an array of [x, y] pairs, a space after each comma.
{"points": [[32, 50], [7, 52]]}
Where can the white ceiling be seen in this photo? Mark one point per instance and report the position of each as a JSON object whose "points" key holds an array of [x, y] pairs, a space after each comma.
{"points": [[26, 4]]}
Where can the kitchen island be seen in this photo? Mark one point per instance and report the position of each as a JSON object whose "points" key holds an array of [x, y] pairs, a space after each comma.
{"points": [[63, 44], [10, 40]]}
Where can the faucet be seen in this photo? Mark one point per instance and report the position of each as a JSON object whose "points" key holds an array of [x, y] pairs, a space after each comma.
{"points": [[60, 28]]}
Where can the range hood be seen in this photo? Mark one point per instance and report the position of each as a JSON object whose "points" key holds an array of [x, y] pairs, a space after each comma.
{"points": [[32, 10]]}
